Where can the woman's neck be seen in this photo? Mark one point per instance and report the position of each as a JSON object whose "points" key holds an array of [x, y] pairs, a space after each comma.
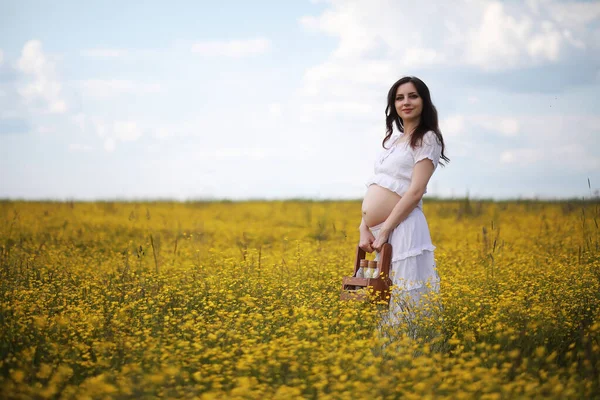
{"points": [[410, 126]]}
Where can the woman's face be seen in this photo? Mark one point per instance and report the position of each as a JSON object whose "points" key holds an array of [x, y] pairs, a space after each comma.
{"points": [[409, 105]]}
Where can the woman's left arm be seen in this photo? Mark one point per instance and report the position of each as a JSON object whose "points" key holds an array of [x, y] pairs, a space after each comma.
{"points": [[422, 172]]}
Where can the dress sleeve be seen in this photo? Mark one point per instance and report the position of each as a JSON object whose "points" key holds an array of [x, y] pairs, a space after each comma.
{"points": [[430, 148]]}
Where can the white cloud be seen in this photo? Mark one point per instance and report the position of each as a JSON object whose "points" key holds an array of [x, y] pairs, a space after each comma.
{"points": [[134, 54], [124, 131], [415, 56], [162, 133], [43, 88], [127, 131], [78, 147], [554, 129], [396, 37], [522, 156], [355, 109], [274, 109], [80, 121], [1, 56], [197, 127], [44, 129], [104, 53], [571, 156], [562, 129], [102, 88], [110, 144], [340, 79], [453, 126], [568, 141], [574, 15], [380, 40], [100, 127], [232, 48], [507, 157], [505, 40], [507, 126], [460, 125], [457, 136], [233, 153]]}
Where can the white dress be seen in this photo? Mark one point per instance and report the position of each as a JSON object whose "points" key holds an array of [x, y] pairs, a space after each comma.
{"points": [[413, 270]]}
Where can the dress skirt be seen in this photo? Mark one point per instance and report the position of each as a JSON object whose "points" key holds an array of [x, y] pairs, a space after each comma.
{"points": [[413, 269]]}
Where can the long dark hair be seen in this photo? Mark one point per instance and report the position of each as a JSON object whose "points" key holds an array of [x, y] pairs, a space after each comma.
{"points": [[429, 115]]}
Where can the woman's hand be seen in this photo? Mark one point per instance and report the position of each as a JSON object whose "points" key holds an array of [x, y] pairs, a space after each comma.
{"points": [[382, 239], [366, 238]]}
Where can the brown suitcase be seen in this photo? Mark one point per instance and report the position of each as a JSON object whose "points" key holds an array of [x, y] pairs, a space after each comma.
{"points": [[354, 288]]}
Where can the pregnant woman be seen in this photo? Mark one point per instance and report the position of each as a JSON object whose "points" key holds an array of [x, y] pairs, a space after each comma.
{"points": [[392, 210]]}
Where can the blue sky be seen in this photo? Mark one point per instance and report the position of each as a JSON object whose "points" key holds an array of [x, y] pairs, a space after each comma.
{"points": [[271, 99]]}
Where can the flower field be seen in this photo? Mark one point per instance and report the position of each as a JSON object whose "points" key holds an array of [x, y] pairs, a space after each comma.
{"points": [[216, 300]]}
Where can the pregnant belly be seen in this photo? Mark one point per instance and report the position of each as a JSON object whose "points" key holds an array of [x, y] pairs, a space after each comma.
{"points": [[378, 204]]}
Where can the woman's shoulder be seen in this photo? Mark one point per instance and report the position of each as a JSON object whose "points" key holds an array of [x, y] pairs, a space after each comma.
{"points": [[430, 135], [430, 138]]}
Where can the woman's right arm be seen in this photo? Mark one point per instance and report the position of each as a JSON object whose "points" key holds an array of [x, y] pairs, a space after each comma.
{"points": [[366, 237]]}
